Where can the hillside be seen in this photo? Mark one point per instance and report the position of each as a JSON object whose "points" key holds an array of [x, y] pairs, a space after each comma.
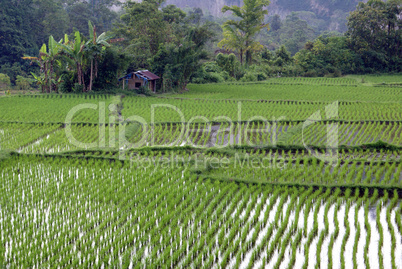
{"points": [[282, 7], [334, 12]]}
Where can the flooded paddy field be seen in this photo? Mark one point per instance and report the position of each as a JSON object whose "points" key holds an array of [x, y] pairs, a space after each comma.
{"points": [[54, 138], [229, 176], [102, 214]]}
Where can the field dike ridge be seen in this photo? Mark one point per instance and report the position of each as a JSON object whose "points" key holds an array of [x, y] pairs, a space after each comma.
{"points": [[333, 187], [86, 123]]}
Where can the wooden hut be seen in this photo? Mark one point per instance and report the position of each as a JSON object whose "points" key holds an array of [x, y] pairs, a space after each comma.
{"points": [[137, 79]]}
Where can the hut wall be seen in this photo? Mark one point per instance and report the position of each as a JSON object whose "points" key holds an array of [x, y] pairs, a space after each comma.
{"points": [[152, 85], [132, 83]]}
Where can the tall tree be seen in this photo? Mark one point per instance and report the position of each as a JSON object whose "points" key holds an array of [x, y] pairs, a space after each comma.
{"points": [[241, 33], [144, 29], [95, 47], [276, 23], [375, 33], [326, 54], [177, 62], [75, 52], [234, 40], [49, 18], [16, 34], [100, 12]]}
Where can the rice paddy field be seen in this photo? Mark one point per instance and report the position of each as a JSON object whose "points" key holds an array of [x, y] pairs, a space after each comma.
{"points": [[285, 173]]}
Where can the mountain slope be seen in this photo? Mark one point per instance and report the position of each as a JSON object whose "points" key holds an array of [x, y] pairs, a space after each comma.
{"points": [[323, 8]]}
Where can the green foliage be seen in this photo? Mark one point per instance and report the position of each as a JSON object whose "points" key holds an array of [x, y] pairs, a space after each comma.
{"points": [[58, 59], [17, 35], [375, 34], [23, 83], [208, 77], [152, 27], [50, 18], [229, 63], [282, 56], [178, 63], [164, 41], [4, 81], [171, 14], [100, 12], [17, 69], [254, 73], [266, 55], [67, 82], [328, 55], [239, 35], [144, 90], [112, 65], [295, 33], [371, 43], [267, 64], [27, 24], [249, 77], [78, 88], [48, 63], [95, 49], [225, 68], [73, 51], [276, 23]]}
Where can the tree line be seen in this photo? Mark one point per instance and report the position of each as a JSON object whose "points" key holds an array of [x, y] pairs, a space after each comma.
{"points": [[186, 47]]}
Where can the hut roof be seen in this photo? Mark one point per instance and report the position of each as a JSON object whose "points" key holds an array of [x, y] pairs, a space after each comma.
{"points": [[144, 74]]}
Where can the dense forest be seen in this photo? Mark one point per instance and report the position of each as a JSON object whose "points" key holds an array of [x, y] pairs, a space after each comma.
{"points": [[78, 45]]}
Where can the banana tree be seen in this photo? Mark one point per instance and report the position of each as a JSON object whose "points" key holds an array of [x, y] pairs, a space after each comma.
{"points": [[51, 55], [40, 80], [43, 80], [75, 52], [47, 58], [95, 47]]}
